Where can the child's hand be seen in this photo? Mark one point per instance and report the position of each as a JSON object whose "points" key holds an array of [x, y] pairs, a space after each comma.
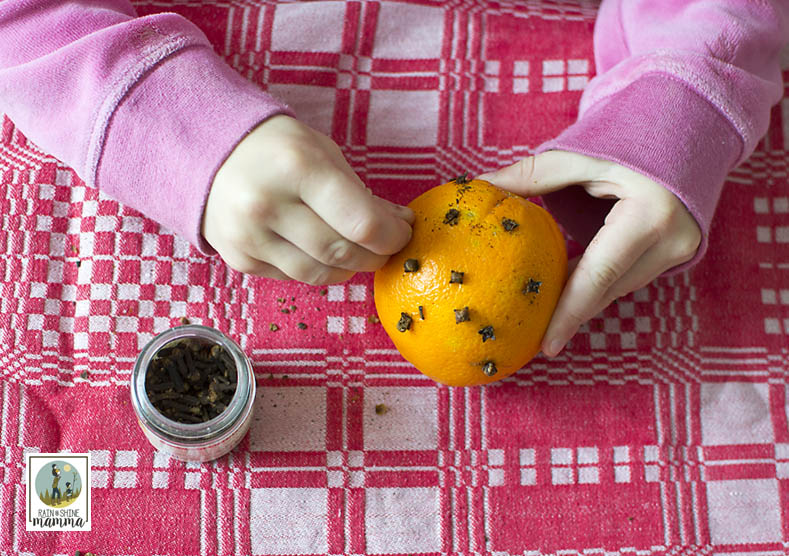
{"points": [[647, 232], [285, 204]]}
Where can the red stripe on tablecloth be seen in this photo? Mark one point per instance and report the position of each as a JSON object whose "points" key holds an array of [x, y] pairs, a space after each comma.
{"points": [[703, 520], [738, 452], [740, 471], [287, 459], [361, 108], [401, 458], [335, 536], [209, 520], [778, 408], [369, 23], [774, 139], [342, 107], [355, 541], [425, 65], [334, 424], [276, 479], [319, 60], [304, 77], [243, 534], [405, 83], [354, 421], [403, 479]]}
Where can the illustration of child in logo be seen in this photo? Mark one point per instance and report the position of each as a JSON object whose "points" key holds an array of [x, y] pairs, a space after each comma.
{"points": [[48, 486], [55, 481]]}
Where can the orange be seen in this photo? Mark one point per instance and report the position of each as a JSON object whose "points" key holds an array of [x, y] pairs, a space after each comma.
{"points": [[468, 299]]}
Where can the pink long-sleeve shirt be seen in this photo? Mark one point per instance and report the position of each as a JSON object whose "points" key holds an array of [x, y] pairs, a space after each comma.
{"points": [[144, 109]]}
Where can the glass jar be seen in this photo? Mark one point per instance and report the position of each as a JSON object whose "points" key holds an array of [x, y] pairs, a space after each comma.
{"points": [[210, 439]]}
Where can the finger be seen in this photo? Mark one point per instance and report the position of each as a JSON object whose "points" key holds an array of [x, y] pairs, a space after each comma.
{"points": [[404, 212], [248, 265], [547, 172], [613, 251], [401, 211], [654, 262], [298, 224], [292, 261], [356, 214], [572, 263]]}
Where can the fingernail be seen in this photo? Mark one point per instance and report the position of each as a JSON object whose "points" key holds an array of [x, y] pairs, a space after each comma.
{"points": [[405, 213], [555, 347]]}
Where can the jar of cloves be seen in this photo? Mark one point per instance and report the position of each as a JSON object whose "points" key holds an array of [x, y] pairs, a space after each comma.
{"points": [[193, 391]]}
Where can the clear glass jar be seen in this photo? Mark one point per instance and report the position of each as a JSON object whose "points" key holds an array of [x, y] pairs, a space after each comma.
{"points": [[210, 439]]}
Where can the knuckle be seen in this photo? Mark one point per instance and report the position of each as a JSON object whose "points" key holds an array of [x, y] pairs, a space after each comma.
{"points": [[363, 230], [527, 168], [686, 246], [319, 277], [244, 265], [576, 318], [602, 275], [260, 206], [312, 274], [662, 224], [661, 219], [293, 156], [655, 232], [235, 237], [339, 253]]}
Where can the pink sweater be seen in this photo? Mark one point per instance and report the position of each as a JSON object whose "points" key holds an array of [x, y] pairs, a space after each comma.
{"points": [[143, 108]]}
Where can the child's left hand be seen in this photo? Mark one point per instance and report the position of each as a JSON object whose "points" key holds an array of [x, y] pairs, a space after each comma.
{"points": [[647, 232]]}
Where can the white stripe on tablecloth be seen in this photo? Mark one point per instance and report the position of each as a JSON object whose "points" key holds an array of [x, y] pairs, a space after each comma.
{"points": [[474, 479], [658, 424], [683, 535], [694, 504], [202, 522], [229, 31], [451, 425], [22, 411], [282, 363], [243, 37], [664, 504], [219, 537], [672, 413], [388, 364], [259, 30], [237, 512], [688, 417], [3, 426], [263, 351]]}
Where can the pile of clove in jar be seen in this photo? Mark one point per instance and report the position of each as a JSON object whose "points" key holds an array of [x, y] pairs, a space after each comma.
{"points": [[190, 380]]}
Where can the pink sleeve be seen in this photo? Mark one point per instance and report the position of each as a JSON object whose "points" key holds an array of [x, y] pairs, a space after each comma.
{"points": [[140, 107], [682, 95]]}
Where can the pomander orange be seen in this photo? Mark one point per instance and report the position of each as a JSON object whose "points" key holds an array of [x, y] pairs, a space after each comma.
{"points": [[468, 299]]}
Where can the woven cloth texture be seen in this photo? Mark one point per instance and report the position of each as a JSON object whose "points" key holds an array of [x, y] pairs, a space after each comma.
{"points": [[662, 429]]}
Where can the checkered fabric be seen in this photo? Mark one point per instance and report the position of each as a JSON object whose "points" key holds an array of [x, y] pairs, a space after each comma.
{"points": [[662, 429]]}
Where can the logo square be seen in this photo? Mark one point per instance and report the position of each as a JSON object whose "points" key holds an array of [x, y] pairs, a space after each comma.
{"points": [[58, 492]]}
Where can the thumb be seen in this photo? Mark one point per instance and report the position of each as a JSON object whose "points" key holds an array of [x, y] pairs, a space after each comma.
{"points": [[547, 172]]}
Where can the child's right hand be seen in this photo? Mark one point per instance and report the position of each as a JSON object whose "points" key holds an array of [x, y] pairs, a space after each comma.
{"points": [[285, 204]]}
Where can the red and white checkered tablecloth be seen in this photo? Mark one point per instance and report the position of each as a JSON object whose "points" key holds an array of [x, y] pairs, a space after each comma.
{"points": [[663, 429]]}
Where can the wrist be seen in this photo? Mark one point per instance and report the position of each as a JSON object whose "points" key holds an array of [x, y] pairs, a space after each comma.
{"points": [[181, 121], [663, 130]]}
